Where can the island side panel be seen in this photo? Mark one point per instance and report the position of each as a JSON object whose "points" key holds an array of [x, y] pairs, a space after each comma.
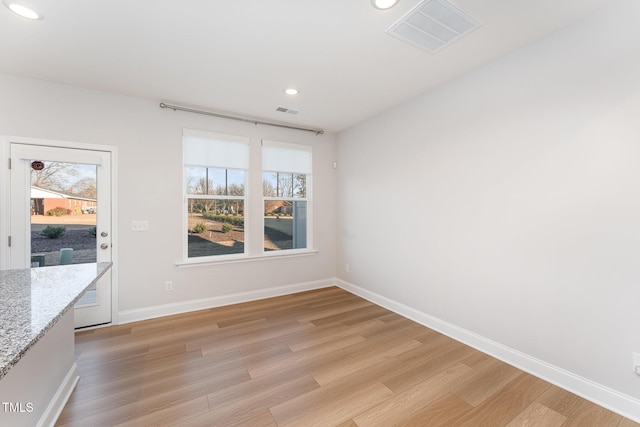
{"points": [[35, 390]]}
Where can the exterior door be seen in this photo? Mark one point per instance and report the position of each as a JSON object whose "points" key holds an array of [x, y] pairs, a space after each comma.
{"points": [[61, 214]]}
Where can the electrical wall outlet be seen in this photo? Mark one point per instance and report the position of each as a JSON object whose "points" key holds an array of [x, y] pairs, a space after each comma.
{"points": [[168, 285], [347, 268], [636, 363]]}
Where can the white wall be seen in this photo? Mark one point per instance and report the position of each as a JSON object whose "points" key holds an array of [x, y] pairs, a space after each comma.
{"points": [[507, 202], [149, 141]]}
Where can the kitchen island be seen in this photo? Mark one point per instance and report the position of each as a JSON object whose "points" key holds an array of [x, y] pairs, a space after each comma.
{"points": [[37, 366]]}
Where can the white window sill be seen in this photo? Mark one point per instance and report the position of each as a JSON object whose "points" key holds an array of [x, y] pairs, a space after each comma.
{"points": [[239, 259]]}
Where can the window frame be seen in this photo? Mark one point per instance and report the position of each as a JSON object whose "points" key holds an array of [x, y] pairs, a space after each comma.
{"points": [[253, 201], [186, 259], [308, 198]]}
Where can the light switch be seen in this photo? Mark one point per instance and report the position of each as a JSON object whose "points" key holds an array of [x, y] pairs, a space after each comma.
{"points": [[139, 225]]}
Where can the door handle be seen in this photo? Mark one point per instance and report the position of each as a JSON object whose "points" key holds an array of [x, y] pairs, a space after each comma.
{"points": [[104, 246]]}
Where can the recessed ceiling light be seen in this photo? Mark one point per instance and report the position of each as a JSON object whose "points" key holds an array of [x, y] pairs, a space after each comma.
{"points": [[383, 4], [291, 91], [22, 9]]}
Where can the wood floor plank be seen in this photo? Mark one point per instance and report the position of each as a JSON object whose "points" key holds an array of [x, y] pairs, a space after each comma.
{"points": [[579, 412], [338, 296], [398, 324], [255, 418], [112, 353], [488, 381], [300, 337], [264, 353], [144, 400], [255, 334], [264, 391], [352, 316], [321, 357], [441, 413], [337, 412], [138, 370], [404, 405], [275, 364], [333, 391], [262, 419], [142, 406], [239, 405], [538, 415], [415, 370], [77, 410], [354, 362], [171, 415], [326, 334], [430, 349], [506, 404], [331, 311], [593, 417], [478, 360], [95, 335]]}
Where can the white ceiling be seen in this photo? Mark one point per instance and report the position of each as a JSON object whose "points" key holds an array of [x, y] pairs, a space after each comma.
{"points": [[238, 55]]}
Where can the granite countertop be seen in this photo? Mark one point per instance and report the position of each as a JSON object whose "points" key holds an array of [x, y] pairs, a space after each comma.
{"points": [[32, 300]]}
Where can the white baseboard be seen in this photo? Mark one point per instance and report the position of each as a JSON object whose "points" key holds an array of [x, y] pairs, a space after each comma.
{"points": [[128, 316], [613, 400], [55, 407]]}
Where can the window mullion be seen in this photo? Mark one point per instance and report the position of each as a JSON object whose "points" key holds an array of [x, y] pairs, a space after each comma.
{"points": [[255, 220]]}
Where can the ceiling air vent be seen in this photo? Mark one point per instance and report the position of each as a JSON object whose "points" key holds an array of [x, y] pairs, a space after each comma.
{"points": [[433, 25], [287, 110]]}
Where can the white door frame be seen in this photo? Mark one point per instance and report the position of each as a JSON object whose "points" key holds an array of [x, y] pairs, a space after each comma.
{"points": [[5, 202]]}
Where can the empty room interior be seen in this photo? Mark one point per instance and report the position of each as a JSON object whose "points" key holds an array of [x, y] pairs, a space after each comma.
{"points": [[320, 213]]}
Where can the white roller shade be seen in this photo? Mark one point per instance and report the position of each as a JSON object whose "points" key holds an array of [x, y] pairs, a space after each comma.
{"points": [[215, 150], [285, 157]]}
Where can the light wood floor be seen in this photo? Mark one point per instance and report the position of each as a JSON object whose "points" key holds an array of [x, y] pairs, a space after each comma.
{"points": [[318, 358]]}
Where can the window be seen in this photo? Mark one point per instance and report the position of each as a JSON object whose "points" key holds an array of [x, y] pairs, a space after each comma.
{"points": [[223, 216], [286, 175], [215, 176]]}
